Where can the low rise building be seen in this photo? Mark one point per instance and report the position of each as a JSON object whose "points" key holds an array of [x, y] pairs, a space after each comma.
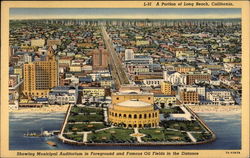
{"points": [[65, 60], [63, 95], [189, 97], [186, 53], [93, 91], [51, 42], [193, 77], [129, 54], [184, 68], [14, 105], [19, 71], [175, 78], [142, 42], [164, 100], [153, 82], [75, 68], [106, 82], [166, 88], [73, 79], [201, 91], [38, 42], [220, 97]]}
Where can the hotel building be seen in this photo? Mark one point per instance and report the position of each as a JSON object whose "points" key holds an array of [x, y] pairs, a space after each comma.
{"points": [[40, 76], [100, 59]]}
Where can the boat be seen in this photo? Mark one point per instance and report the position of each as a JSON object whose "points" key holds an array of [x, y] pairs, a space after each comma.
{"points": [[42, 134], [51, 143], [47, 134], [31, 134]]}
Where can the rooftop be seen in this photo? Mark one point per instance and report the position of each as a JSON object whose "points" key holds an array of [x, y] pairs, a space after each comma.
{"points": [[163, 95], [134, 103], [62, 88], [209, 90], [132, 92]]}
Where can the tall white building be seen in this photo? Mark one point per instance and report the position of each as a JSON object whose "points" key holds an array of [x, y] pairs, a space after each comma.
{"points": [[129, 54]]}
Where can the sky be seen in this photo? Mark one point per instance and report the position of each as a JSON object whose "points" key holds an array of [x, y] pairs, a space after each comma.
{"points": [[124, 13]]}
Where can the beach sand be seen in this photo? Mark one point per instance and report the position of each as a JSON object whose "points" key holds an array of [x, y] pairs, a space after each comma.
{"points": [[195, 108], [45, 109], [215, 108]]}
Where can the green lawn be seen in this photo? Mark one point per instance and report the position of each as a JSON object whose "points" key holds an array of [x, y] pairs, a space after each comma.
{"points": [[83, 127], [85, 118], [154, 135], [161, 135], [173, 136], [76, 137], [85, 114], [183, 125], [175, 109], [114, 135]]}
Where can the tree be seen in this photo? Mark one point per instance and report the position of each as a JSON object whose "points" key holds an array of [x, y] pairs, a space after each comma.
{"points": [[93, 138], [122, 124], [166, 115], [162, 105], [170, 105], [112, 138]]}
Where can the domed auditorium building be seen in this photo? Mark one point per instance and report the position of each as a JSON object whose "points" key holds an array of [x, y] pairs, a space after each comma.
{"points": [[133, 109]]}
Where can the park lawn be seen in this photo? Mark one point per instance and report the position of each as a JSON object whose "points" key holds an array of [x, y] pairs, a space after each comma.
{"points": [[202, 136], [172, 110], [176, 136], [76, 137], [153, 135], [184, 125], [113, 135], [83, 127], [86, 118]]}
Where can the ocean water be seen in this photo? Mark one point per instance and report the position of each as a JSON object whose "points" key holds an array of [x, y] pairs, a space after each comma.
{"points": [[227, 128]]}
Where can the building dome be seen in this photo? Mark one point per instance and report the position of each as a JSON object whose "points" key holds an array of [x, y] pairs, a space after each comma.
{"points": [[134, 103]]}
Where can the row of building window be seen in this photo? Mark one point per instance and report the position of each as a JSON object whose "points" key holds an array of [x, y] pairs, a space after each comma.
{"points": [[29, 93], [153, 82], [139, 125], [135, 116], [119, 98]]}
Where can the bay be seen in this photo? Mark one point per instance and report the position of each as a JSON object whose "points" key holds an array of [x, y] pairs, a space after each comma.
{"points": [[227, 127]]}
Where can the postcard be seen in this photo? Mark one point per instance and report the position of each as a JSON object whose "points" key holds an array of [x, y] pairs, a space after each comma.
{"points": [[125, 79]]}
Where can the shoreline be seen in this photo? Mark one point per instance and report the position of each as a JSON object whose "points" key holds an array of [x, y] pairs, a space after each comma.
{"points": [[195, 108], [215, 108], [47, 109]]}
